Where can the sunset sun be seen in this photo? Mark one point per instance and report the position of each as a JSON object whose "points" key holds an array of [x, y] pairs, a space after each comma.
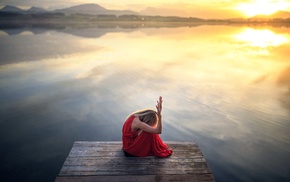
{"points": [[264, 7]]}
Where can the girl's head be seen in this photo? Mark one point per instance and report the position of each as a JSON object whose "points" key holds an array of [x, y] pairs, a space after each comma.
{"points": [[148, 116]]}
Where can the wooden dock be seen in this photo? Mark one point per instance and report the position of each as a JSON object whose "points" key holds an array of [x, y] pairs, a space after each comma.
{"points": [[105, 161]]}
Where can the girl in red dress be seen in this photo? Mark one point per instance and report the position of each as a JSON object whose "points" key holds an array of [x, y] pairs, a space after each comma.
{"points": [[140, 133]]}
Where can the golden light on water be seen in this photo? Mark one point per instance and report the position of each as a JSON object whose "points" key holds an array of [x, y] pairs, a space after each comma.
{"points": [[264, 7], [261, 38]]}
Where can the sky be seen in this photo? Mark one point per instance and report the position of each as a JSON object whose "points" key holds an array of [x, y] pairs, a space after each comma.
{"points": [[193, 8]]}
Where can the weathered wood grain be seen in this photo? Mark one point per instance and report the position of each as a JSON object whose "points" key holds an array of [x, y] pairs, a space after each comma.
{"points": [[105, 161]]}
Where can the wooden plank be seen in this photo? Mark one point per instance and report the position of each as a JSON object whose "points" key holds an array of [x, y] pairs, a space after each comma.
{"points": [[140, 178], [105, 161], [119, 160], [131, 178], [132, 169]]}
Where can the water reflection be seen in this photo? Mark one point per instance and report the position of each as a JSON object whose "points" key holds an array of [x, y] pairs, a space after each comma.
{"points": [[261, 38], [41, 42], [284, 81], [218, 90]]}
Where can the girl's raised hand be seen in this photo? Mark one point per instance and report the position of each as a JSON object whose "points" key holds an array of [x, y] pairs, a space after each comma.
{"points": [[159, 105]]}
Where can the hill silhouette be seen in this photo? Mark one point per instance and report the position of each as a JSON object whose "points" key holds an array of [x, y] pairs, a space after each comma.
{"points": [[36, 10], [89, 9], [12, 9], [93, 9]]}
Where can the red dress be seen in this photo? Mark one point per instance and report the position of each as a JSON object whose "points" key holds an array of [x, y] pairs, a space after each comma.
{"points": [[145, 144]]}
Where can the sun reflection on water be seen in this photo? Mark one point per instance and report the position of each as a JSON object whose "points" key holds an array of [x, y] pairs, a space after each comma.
{"points": [[261, 38]]}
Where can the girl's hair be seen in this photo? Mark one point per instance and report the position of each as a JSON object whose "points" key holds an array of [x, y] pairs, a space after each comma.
{"points": [[148, 116]]}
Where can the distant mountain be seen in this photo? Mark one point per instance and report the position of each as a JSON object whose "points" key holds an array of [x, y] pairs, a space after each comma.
{"points": [[93, 9], [90, 9], [36, 10], [83, 9], [12, 9], [281, 14], [278, 14]]}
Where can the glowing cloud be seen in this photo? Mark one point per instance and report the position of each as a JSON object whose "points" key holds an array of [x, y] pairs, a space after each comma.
{"points": [[265, 7]]}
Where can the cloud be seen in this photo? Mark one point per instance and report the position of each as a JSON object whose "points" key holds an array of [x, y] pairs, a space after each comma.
{"points": [[218, 9], [163, 12]]}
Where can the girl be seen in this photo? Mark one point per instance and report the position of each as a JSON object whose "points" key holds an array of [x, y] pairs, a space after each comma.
{"points": [[140, 133]]}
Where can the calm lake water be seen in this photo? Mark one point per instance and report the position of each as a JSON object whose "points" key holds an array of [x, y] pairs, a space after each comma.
{"points": [[225, 87]]}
